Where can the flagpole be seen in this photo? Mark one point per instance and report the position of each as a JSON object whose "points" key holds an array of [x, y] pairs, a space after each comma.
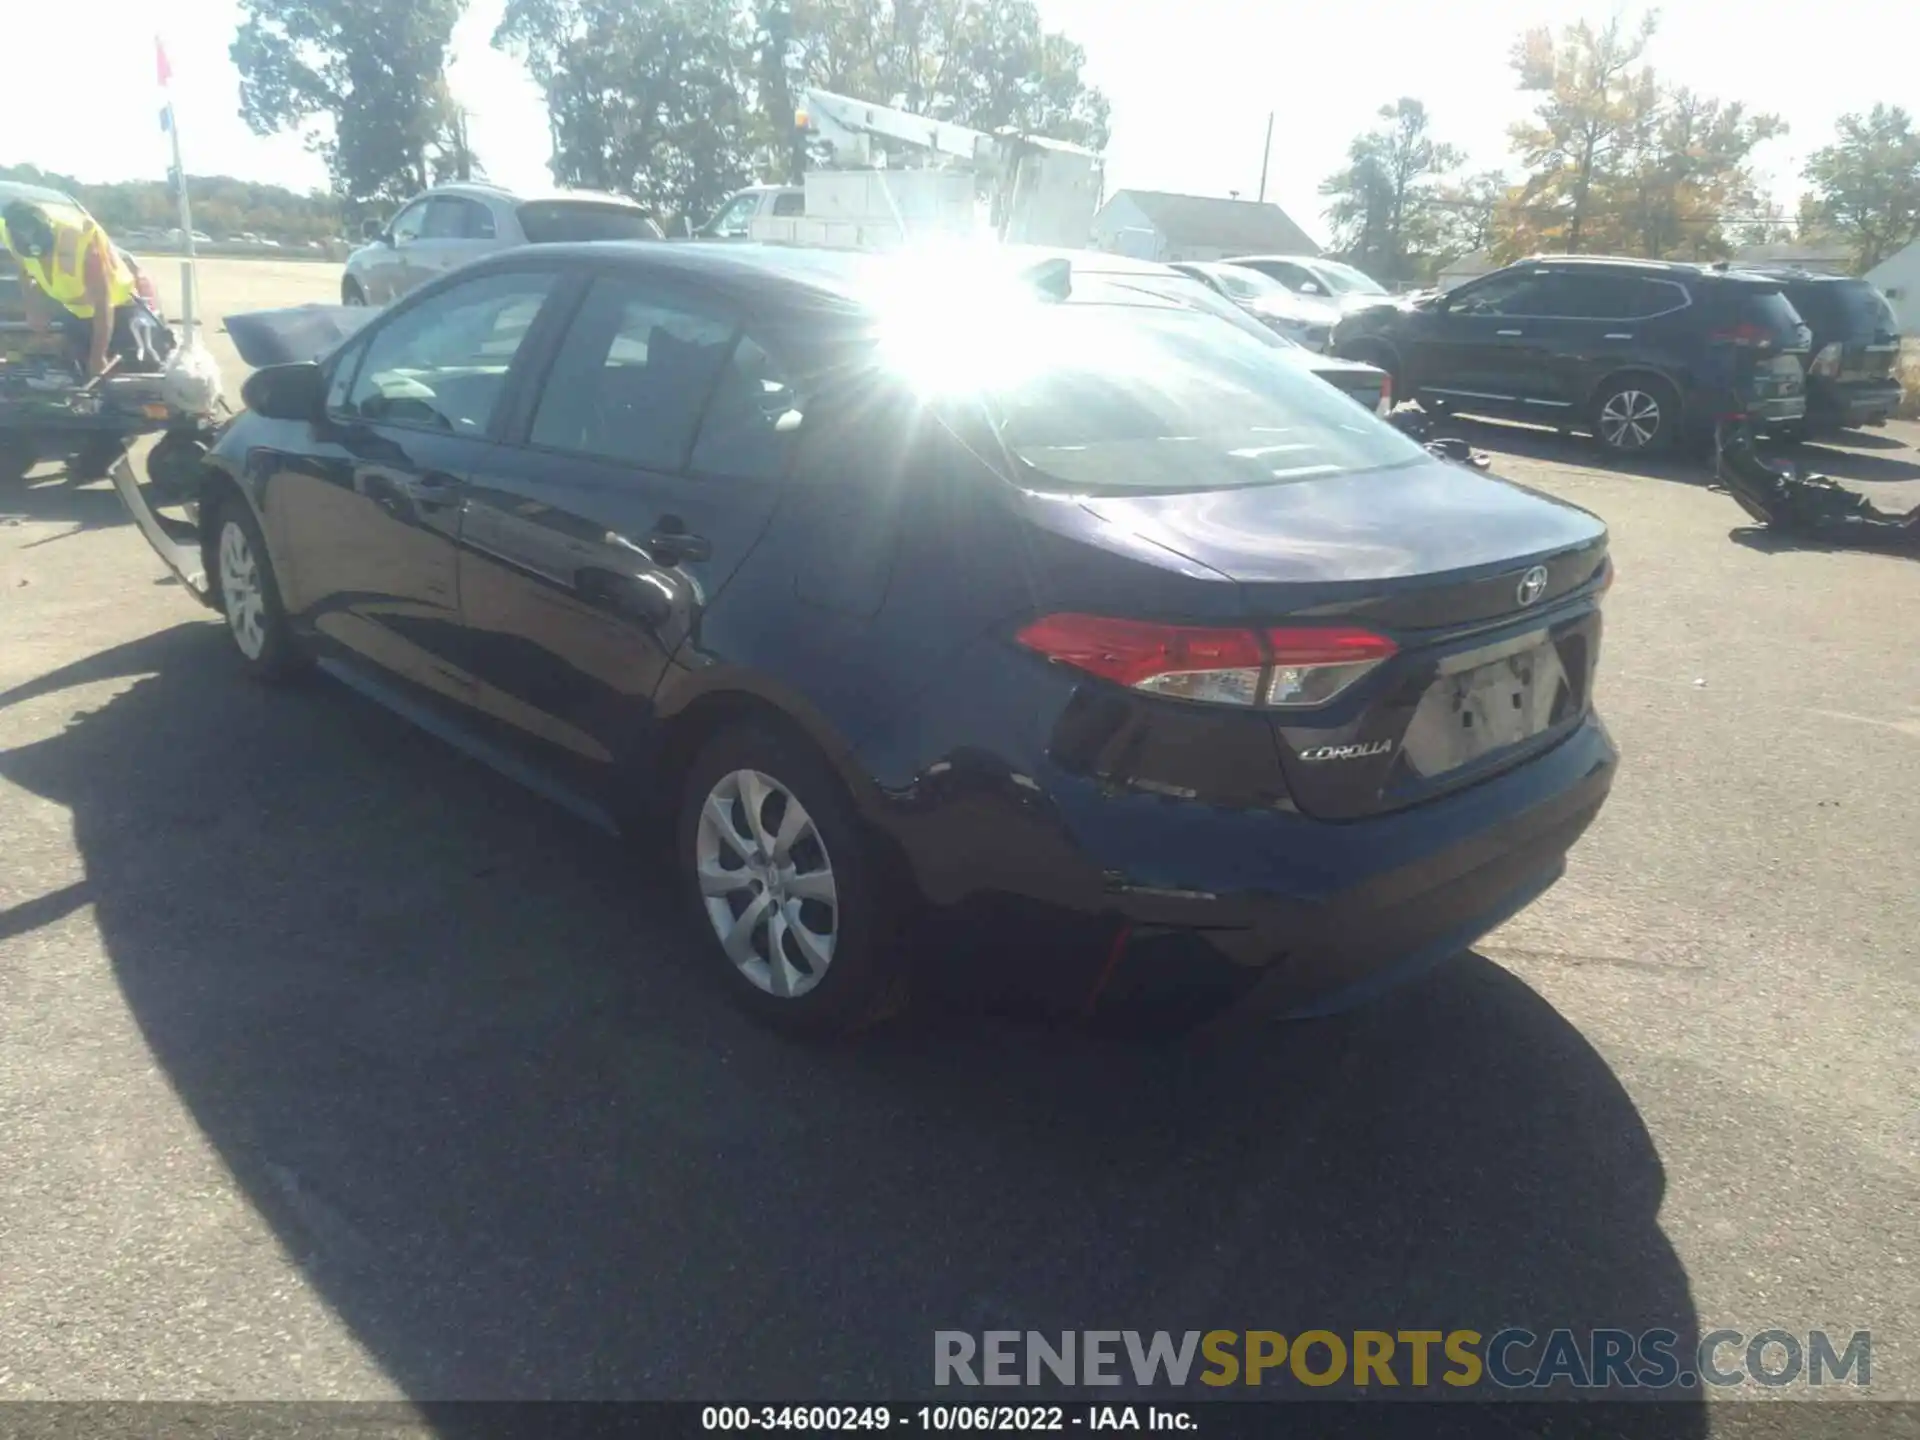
{"points": [[171, 124]]}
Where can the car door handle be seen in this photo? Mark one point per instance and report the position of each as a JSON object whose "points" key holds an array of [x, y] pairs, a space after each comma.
{"points": [[432, 488], [1620, 335], [1506, 332], [671, 543]]}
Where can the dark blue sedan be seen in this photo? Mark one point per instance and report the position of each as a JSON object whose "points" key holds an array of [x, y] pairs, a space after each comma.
{"points": [[999, 591]]}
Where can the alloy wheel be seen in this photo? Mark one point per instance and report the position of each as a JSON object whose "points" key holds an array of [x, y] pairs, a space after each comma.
{"points": [[240, 586], [767, 883], [1629, 420]]}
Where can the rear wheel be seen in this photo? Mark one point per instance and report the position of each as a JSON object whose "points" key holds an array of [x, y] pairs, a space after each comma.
{"points": [[786, 885], [1636, 415], [250, 596]]}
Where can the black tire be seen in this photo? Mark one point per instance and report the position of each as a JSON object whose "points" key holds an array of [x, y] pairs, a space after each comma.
{"points": [[256, 621], [18, 455], [1372, 352], [1635, 415], [862, 978], [351, 293]]}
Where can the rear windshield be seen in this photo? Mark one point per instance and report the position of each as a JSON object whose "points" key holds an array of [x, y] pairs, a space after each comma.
{"points": [[1758, 305], [553, 222], [1114, 395], [1844, 309]]}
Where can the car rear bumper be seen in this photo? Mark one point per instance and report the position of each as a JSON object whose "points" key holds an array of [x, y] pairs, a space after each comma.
{"points": [[1189, 903], [1780, 410], [1863, 403]]}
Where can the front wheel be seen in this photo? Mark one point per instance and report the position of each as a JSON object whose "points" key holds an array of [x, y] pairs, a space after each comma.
{"points": [[1636, 415], [351, 293], [786, 885], [250, 596]]}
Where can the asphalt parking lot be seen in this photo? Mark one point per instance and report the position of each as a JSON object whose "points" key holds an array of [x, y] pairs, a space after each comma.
{"points": [[333, 1066]]}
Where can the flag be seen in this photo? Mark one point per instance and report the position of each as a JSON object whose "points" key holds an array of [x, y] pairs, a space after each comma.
{"points": [[160, 56]]}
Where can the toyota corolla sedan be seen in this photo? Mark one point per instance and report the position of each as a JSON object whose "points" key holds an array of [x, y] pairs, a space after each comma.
{"points": [[1028, 599]]}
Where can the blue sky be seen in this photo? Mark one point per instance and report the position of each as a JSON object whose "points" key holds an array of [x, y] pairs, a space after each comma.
{"points": [[1191, 82]]}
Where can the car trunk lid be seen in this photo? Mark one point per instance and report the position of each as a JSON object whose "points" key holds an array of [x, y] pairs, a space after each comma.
{"points": [[1489, 593]]}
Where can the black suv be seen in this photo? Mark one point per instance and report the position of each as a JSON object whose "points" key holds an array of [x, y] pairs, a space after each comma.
{"points": [[1635, 352], [1856, 345]]}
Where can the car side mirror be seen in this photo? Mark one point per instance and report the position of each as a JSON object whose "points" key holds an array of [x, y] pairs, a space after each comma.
{"points": [[1309, 288], [286, 392], [374, 230]]}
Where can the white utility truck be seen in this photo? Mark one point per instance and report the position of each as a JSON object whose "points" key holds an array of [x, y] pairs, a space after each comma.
{"points": [[1016, 188]]}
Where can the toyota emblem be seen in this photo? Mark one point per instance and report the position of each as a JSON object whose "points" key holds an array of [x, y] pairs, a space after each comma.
{"points": [[1532, 585]]}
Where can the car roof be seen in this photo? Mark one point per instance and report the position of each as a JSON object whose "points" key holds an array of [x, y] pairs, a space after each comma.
{"points": [[1795, 275], [483, 190], [847, 276]]}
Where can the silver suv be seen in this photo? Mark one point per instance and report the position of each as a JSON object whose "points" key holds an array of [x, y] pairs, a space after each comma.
{"points": [[452, 224]]}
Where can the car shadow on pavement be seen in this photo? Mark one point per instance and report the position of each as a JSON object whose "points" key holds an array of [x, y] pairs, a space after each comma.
{"points": [[454, 1048], [1849, 464], [1554, 448]]}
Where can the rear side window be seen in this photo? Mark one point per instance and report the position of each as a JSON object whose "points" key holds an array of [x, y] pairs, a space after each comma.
{"points": [[633, 376], [1118, 397], [1844, 310], [442, 364], [1621, 297], [747, 432], [791, 203], [556, 222], [1768, 308]]}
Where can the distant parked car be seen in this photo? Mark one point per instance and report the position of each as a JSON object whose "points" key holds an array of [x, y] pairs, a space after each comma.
{"points": [[1853, 372], [448, 226], [1300, 318], [1634, 352], [1367, 385], [734, 219], [1317, 279]]}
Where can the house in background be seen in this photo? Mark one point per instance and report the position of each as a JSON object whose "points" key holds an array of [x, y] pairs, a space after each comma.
{"points": [[1470, 266], [1823, 257], [1154, 225], [1898, 278]]}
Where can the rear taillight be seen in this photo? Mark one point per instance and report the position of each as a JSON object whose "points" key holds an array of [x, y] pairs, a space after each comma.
{"points": [[1288, 668], [1385, 407], [1746, 334], [1827, 362], [1311, 665]]}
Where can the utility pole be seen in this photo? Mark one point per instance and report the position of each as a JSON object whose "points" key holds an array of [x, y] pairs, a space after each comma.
{"points": [[1265, 155]]}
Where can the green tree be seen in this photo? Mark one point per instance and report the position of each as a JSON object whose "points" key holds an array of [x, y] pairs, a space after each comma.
{"points": [[987, 64], [1866, 185], [650, 98], [1684, 178], [1472, 211], [370, 71], [1384, 206], [1595, 98]]}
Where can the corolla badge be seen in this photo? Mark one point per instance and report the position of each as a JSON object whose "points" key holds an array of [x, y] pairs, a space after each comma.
{"points": [[1357, 751], [1532, 586]]}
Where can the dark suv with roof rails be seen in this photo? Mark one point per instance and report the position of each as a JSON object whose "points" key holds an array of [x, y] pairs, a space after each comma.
{"points": [[1637, 353], [1851, 375]]}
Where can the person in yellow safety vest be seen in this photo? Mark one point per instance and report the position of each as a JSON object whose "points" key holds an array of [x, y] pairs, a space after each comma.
{"points": [[67, 262]]}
